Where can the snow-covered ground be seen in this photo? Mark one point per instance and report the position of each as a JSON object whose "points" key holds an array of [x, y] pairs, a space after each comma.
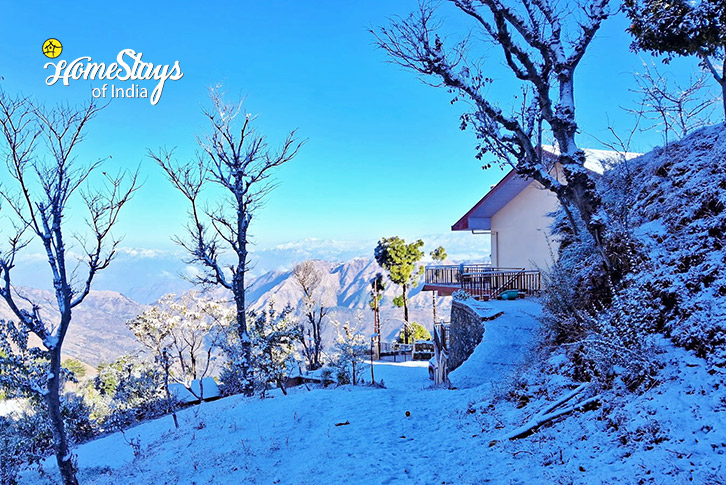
{"points": [[508, 341], [412, 433], [11, 406]]}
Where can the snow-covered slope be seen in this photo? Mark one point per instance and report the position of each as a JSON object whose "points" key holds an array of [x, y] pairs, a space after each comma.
{"points": [[508, 341], [413, 433], [680, 212]]}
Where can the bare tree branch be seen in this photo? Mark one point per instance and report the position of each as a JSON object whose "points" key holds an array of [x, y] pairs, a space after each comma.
{"points": [[534, 39]]}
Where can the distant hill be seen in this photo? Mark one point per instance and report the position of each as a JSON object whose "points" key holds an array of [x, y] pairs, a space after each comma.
{"points": [[145, 274], [99, 334], [345, 290]]}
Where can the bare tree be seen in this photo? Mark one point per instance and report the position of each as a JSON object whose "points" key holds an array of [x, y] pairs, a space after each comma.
{"points": [[308, 277], [39, 193], [670, 106], [239, 161], [542, 42]]}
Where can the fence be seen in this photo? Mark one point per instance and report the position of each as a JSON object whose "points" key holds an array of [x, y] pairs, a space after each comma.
{"points": [[482, 280]]}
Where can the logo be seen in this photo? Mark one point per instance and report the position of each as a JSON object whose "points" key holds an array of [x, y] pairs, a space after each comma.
{"points": [[52, 48], [128, 66]]}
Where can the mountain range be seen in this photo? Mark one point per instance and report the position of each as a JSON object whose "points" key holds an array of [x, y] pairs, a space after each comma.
{"points": [[145, 274], [98, 332]]}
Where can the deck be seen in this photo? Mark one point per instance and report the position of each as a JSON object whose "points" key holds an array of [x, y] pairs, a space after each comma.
{"points": [[480, 280]]}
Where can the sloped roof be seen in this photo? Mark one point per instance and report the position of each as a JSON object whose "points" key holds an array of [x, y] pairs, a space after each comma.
{"points": [[184, 396], [479, 216]]}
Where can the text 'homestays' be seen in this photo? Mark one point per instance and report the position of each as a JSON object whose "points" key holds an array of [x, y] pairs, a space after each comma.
{"points": [[128, 67]]}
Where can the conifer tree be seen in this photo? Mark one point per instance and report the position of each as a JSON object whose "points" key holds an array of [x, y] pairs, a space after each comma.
{"points": [[377, 288], [400, 260]]}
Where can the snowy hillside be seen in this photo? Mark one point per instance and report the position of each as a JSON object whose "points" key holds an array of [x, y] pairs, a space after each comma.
{"points": [[411, 432], [681, 215]]}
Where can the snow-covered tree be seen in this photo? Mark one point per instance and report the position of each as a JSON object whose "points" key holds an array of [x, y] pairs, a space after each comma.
{"points": [[27, 437], [274, 335], [184, 334], [239, 161], [542, 42], [39, 190], [308, 277], [351, 346], [126, 391]]}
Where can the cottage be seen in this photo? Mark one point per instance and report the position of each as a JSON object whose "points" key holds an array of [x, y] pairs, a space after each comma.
{"points": [[516, 215]]}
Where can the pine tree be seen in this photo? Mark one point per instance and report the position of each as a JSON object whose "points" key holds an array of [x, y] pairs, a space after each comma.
{"points": [[377, 288], [400, 260]]}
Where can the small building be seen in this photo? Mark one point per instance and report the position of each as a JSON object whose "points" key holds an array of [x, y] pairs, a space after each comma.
{"points": [[516, 215]]}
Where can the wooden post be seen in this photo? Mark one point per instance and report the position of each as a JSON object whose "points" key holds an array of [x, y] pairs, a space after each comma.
{"points": [[441, 355], [373, 379]]}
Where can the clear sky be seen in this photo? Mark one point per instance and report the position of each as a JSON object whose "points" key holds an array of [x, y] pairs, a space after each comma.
{"points": [[384, 154]]}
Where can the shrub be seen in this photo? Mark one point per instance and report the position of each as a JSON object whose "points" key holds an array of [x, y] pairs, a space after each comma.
{"points": [[127, 391], [26, 437], [416, 330], [351, 346], [75, 367]]}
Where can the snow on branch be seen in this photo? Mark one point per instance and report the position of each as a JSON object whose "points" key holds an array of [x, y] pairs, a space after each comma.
{"points": [[550, 413]]}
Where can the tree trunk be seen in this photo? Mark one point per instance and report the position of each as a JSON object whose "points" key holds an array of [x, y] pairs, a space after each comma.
{"points": [[580, 189], [245, 342], [405, 315], [63, 455], [377, 324], [433, 296], [317, 339], [169, 405], [282, 386]]}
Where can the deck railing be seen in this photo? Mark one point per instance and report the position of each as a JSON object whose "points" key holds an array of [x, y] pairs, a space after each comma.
{"points": [[481, 280]]}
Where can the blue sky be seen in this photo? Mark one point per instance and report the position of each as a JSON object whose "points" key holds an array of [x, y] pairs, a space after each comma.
{"points": [[384, 154]]}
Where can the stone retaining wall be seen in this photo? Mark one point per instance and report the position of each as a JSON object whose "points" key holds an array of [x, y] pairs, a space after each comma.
{"points": [[467, 330]]}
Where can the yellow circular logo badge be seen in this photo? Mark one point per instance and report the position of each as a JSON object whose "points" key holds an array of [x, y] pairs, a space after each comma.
{"points": [[52, 48]]}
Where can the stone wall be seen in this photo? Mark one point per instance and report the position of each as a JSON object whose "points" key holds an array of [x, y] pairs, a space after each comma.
{"points": [[467, 330]]}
